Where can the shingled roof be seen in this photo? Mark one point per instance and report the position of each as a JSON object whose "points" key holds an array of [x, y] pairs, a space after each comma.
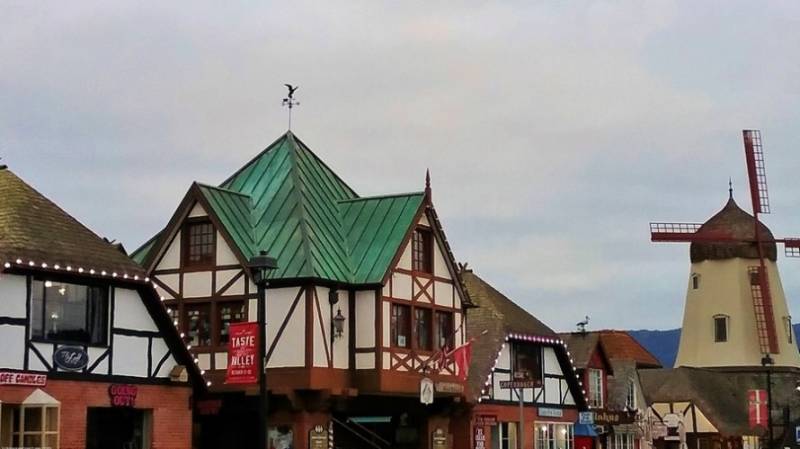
{"points": [[615, 344], [499, 317], [734, 223], [581, 346], [290, 203], [35, 230]]}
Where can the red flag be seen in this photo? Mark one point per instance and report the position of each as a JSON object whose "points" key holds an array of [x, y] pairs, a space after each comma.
{"points": [[757, 408], [462, 356]]}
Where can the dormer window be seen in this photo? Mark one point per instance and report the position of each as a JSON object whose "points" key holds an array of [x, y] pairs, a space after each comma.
{"points": [[422, 251], [199, 243], [720, 328]]}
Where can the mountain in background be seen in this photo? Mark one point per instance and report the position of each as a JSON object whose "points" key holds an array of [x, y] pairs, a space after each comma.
{"points": [[664, 344]]}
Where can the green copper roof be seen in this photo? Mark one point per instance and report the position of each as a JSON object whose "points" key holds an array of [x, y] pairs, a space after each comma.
{"points": [[288, 202]]}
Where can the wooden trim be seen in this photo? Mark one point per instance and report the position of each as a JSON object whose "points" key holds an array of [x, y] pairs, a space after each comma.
{"points": [[351, 329], [11, 321], [364, 350], [309, 328], [422, 274], [322, 329], [181, 270], [227, 285], [379, 330], [164, 286], [284, 323]]}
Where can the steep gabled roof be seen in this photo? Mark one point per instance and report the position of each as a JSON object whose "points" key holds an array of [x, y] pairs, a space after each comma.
{"points": [[582, 345], [620, 345], [287, 202], [33, 228], [492, 320]]}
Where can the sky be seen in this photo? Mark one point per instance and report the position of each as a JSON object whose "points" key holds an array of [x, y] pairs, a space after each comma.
{"points": [[554, 131]]}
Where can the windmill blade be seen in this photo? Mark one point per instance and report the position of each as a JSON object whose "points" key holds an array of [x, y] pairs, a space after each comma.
{"points": [[762, 306], [673, 232], [756, 170], [792, 247]]}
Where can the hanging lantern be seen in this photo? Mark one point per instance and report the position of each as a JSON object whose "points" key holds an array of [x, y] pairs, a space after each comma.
{"points": [[338, 323]]}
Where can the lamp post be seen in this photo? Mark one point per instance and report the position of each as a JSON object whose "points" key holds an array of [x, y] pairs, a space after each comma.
{"points": [[767, 363], [259, 265]]}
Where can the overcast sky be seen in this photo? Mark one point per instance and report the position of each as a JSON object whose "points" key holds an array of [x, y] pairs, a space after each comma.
{"points": [[554, 131]]}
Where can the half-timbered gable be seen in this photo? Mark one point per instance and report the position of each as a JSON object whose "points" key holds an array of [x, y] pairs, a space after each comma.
{"points": [[80, 322], [340, 257]]}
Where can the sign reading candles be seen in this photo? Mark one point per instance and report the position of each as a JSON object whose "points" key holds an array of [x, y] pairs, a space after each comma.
{"points": [[243, 364]]}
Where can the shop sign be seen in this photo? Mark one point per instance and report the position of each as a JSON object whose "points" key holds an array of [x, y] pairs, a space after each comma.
{"points": [[613, 418], [480, 438], [586, 418], [426, 391], [797, 434], [449, 387], [318, 438], [242, 354], [208, 407], [71, 358], [509, 384], [551, 412], [673, 423], [23, 379], [122, 395], [439, 439], [486, 420]]}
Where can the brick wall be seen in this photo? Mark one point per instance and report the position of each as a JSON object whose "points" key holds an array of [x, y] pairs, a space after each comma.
{"points": [[172, 416]]}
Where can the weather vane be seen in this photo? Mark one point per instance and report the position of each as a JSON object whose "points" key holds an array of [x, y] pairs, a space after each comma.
{"points": [[290, 102]]}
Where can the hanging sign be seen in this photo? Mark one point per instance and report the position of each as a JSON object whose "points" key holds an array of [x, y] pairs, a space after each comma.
{"points": [[480, 438], [551, 412], [586, 418], [486, 420], [508, 384], [426, 391], [22, 379], [242, 354], [318, 438], [613, 417], [71, 358], [122, 395], [439, 439], [757, 408], [449, 387]]}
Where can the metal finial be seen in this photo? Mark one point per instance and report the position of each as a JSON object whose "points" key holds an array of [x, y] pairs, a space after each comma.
{"points": [[290, 102], [428, 185], [730, 188]]}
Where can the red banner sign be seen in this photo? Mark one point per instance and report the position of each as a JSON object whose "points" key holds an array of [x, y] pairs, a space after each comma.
{"points": [[23, 379], [757, 408], [243, 354]]}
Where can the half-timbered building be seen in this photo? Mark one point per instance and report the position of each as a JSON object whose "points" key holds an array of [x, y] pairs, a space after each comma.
{"points": [[364, 297], [88, 356], [516, 354]]}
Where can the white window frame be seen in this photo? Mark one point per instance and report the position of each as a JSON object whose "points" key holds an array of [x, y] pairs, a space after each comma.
{"points": [[624, 441], [630, 399], [506, 438], [548, 435], [596, 396], [38, 402]]}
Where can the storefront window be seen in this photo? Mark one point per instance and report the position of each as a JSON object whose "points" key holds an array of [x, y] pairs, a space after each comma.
{"points": [[69, 312], [30, 425], [504, 435], [622, 441], [554, 435]]}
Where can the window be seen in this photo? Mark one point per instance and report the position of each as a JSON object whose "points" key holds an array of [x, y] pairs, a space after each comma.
{"points": [[595, 388], [630, 399], [720, 328], [69, 312], [444, 330], [504, 435], [623, 441], [198, 325], [422, 251], [30, 425], [554, 435], [787, 321], [401, 326], [695, 281], [527, 362], [199, 244], [423, 323], [229, 312]]}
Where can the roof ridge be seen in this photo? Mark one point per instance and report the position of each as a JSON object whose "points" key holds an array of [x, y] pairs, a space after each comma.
{"points": [[274, 144], [378, 197], [306, 148], [299, 192], [222, 189]]}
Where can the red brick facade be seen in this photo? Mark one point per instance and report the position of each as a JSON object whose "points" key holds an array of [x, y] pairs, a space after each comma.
{"points": [[170, 406]]}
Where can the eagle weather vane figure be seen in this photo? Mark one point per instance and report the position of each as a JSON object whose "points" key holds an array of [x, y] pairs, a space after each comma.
{"points": [[290, 102]]}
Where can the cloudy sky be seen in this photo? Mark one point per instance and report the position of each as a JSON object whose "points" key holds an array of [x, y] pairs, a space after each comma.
{"points": [[554, 131]]}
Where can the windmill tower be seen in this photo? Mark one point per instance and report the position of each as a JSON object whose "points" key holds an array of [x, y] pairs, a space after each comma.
{"points": [[735, 312]]}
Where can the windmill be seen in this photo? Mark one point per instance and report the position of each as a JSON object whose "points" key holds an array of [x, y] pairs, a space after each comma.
{"points": [[759, 280]]}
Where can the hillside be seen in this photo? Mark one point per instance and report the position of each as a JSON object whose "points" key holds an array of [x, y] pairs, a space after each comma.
{"points": [[664, 344]]}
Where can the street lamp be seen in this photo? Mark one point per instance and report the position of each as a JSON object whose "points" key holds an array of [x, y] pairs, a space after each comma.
{"points": [[259, 265], [767, 363]]}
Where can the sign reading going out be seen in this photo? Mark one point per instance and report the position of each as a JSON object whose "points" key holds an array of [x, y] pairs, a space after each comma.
{"points": [[243, 362], [122, 395]]}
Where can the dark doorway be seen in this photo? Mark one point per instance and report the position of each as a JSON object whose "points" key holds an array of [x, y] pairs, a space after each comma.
{"points": [[117, 428]]}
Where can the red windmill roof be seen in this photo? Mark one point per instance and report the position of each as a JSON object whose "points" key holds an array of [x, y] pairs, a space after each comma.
{"points": [[738, 225]]}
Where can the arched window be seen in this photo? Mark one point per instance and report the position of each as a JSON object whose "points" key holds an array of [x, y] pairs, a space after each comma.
{"points": [[721, 324], [695, 281]]}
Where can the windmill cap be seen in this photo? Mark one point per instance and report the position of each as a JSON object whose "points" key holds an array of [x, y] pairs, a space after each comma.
{"points": [[738, 225]]}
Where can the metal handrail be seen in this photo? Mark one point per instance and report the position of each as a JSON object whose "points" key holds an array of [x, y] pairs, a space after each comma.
{"points": [[371, 433], [371, 443]]}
